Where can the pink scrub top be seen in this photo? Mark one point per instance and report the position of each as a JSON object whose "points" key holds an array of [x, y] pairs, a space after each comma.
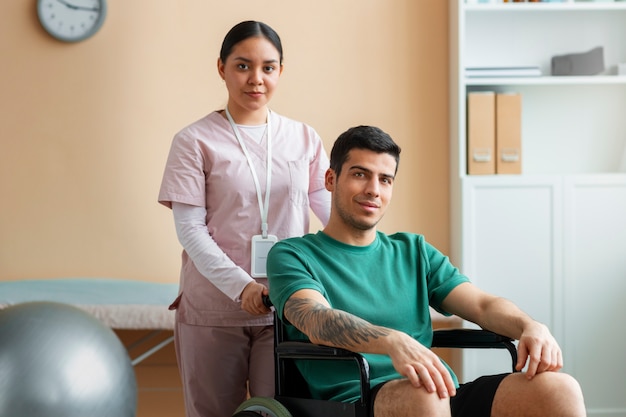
{"points": [[206, 167]]}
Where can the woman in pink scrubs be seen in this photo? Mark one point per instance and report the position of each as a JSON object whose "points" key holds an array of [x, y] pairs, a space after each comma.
{"points": [[237, 180]]}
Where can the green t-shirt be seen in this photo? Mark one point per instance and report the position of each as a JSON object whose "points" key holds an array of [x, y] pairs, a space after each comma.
{"points": [[389, 283]]}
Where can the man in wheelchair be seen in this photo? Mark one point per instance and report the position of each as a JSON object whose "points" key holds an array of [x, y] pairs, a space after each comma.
{"points": [[353, 287]]}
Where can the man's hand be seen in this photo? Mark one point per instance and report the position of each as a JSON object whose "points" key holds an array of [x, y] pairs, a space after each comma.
{"points": [[252, 298], [421, 366], [540, 349], [536, 345]]}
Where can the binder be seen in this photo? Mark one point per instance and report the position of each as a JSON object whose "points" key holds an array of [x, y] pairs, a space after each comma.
{"points": [[481, 133], [509, 133]]}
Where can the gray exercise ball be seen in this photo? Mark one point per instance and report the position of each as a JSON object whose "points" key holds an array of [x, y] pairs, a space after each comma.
{"points": [[59, 361]]}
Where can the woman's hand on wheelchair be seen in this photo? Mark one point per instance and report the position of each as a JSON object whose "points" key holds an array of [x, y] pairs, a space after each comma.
{"points": [[252, 298]]}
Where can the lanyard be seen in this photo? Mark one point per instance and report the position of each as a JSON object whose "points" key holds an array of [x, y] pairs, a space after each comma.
{"points": [[263, 208]]}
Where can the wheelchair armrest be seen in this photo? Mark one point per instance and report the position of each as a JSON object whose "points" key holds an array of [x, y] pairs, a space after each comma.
{"points": [[468, 338], [474, 339], [301, 350], [307, 350]]}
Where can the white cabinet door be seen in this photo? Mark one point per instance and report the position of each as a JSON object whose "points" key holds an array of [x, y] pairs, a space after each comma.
{"points": [[595, 306], [556, 246], [512, 246]]}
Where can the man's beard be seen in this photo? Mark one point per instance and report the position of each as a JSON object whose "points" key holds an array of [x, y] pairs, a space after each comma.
{"points": [[354, 221]]}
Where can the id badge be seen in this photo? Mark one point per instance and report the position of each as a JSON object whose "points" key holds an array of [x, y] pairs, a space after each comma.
{"points": [[260, 249]]}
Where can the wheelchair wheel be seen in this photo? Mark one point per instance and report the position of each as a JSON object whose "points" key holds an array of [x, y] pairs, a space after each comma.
{"points": [[261, 406]]}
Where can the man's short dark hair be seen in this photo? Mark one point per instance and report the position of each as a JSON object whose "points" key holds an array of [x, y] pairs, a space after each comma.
{"points": [[362, 137]]}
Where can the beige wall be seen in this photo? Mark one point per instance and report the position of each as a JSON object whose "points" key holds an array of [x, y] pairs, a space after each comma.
{"points": [[85, 128]]}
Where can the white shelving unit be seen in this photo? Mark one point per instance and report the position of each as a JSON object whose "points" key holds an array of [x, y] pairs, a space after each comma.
{"points": [[552, 239]]}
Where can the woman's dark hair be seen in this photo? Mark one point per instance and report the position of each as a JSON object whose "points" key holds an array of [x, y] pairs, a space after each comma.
{"points": [[362, 137], [249, 29]]}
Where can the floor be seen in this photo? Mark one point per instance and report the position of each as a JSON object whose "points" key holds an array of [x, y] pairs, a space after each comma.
{"points": [[159, 388]]}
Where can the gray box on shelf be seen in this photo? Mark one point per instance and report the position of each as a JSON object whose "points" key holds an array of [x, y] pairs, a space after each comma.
{"points": [[585, 63]]}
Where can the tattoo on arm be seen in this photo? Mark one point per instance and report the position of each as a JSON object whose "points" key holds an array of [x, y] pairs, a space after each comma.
{"points": [[330, 326]]}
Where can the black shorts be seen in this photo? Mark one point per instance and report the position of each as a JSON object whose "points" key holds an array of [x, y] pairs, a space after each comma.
{"points": [[472, 399]]}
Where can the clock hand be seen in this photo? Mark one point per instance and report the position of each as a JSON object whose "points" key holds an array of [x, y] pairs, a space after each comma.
{"points": [[75, 7]]}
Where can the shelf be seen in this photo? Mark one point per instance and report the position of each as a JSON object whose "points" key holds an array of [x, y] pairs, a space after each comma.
{"points": [[548, 80], [599, 177], [570, 124], [529, 7]]}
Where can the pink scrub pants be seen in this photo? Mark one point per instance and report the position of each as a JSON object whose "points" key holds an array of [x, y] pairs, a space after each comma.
{"points": [[220, 365]]}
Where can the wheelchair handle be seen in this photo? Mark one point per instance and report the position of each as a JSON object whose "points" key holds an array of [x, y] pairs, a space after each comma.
{"points": [[266, 301]]}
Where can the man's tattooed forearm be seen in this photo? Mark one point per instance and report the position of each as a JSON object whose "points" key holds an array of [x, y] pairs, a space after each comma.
{"points": [[333, 327]]}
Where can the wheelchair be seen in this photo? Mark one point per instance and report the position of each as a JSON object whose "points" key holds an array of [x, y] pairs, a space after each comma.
{"points": [[292, 397]]}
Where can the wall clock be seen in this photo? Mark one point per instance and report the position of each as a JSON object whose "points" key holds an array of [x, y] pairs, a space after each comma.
{"points": [[71, 20]]}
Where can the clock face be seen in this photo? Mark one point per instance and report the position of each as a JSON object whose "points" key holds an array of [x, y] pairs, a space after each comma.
{"points": [[71, 20]]}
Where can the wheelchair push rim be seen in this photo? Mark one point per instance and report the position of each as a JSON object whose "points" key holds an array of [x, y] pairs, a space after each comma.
{"points": [[261, 406]]}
